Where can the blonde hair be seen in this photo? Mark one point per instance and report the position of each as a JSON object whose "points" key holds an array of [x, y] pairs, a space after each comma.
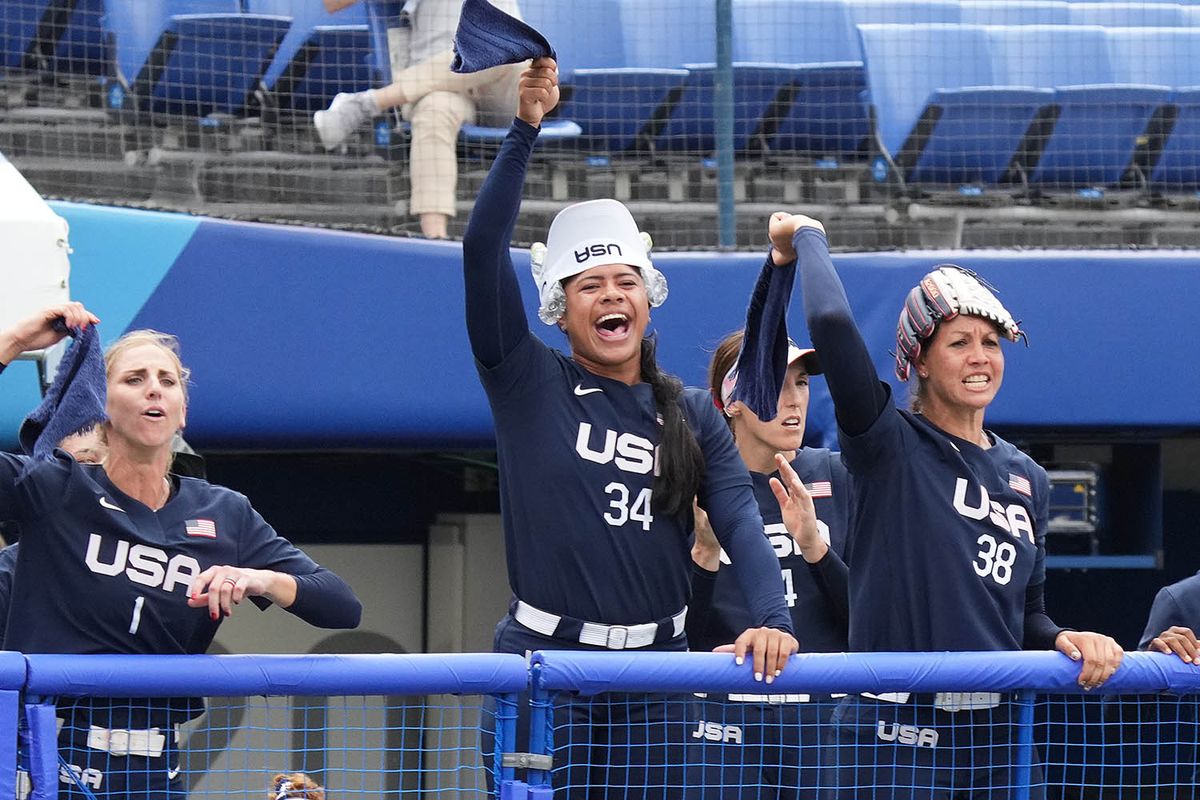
{"points": [[295, 784], [165, 341]]}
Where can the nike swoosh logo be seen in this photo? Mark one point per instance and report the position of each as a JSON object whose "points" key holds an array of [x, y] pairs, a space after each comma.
{"points": [[173, 773], [104, 502], [580, 391]]}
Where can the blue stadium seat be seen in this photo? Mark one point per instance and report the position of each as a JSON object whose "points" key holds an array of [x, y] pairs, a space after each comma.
{"points": [[945, 120], [1111, 15], [1178, 167], [1099, 121], [321, 55], [18, 33], [208, 60], [823, 114], [1191, 15], [613, 100], [1170, 57], [382, 15], [904, 12], [65, 37], [1015, 12]]}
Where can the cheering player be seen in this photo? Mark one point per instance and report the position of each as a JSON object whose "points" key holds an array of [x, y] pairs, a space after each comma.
{"points": [[123, 557]]}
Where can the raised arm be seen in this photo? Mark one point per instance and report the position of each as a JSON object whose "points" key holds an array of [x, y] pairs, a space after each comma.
{"points": [[496, 321], [857, 393]]}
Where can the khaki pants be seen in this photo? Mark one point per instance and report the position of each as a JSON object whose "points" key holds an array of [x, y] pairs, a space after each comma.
{"points": [[440, 103]]}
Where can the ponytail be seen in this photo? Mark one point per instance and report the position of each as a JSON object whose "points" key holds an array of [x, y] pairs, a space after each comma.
{"points": [[680, 460]]}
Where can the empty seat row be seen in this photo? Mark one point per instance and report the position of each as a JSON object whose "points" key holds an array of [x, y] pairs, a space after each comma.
{"points": [[195, 57], [1051, 106]]}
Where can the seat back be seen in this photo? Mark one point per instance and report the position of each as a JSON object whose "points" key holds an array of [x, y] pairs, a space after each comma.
{"points": [[1158, 56], [137, 25], [1113, 15], [1049, 56], [787, 32], [904, 12], [902, 74], [1015, 12], [586, 34], [669, 35]]}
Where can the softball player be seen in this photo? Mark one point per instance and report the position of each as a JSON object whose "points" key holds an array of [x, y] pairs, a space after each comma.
{"points": [[768, 745], [600, 455], [119, 557], [947, 543]]}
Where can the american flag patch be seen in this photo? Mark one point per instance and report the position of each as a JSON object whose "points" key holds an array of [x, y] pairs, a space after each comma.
{"points": [[1020, 484], [819, 489], [201, 527]]}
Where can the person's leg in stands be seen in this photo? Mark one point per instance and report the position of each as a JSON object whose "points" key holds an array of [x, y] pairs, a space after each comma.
{"points": [[433, 158], [351, 110]]}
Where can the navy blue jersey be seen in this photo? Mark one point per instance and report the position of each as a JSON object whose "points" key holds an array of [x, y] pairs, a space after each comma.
{"points": [[1177, 604], [816, 600], [577, 453], [99, 572], [949, 537], [947, 549], [8, 566]]}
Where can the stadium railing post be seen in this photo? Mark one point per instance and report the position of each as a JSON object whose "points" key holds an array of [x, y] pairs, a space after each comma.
{"points": [[541, 733], [1024, 757]]}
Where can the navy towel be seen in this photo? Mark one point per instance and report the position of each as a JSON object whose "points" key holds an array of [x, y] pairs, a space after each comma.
{"points": [[74, 402], [762, 362], [487, 37]]}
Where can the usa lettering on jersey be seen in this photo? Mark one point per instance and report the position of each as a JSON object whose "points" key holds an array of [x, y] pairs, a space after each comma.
{"points": [[627, 451], [1012, 519], [716, 732], [142, 564]]}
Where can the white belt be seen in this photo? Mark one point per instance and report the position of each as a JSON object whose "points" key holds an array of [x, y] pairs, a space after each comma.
{"points": [[121, 742], [770, 699], [614, 637], [947, 701]]}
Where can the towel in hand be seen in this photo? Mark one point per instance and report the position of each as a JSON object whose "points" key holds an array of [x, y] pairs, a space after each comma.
{"points": [[74, 402], [487, 37], [762, 363]]}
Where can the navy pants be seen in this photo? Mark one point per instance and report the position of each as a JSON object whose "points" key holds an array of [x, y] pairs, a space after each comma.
{"points": [[612, 745], [756, 750], [898, 751], [85, 771]]}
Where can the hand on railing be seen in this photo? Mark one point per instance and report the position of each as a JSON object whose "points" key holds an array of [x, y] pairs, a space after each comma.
{"points": [[1100, 654], [1178, 640], [770, 650]]}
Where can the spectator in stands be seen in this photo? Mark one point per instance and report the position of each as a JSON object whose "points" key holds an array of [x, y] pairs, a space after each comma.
{"points": [[600, 455], [167, 558], [434, 100], [947, 545], [804, 498]]}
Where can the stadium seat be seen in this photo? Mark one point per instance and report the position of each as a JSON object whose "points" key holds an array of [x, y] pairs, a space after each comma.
{"points": [[1099, 121], [822, 115], [944, 120], [321, 55], [1015, 12], [614, 100], [1110, 15], [903, 12], [60, 36], [1168, 57], [208, 60]]}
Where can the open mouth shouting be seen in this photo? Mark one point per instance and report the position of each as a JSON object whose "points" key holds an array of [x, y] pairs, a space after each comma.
{"points": [[613, 327]]}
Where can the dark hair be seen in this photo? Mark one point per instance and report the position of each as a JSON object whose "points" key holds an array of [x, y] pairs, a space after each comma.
{"points": [[680, 460], [725, 356]]}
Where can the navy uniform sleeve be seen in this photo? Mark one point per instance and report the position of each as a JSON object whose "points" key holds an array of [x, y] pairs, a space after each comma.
{"points": [[1164, 612], [1040, 630], [8, 565], [859, 397], [832, 577], [729, 500], [700, 606], [322, 598], [496, 321]]}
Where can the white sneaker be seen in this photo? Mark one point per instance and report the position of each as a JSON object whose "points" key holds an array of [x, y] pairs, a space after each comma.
{"points": [[347, 112]]}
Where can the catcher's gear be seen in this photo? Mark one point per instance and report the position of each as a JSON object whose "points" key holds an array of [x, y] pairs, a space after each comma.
{"points": [[944, 293]]}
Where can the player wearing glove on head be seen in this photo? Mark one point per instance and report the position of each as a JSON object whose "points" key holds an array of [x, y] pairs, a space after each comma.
{"points": [[947, 542]]}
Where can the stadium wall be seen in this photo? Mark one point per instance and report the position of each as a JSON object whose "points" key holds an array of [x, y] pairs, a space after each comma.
{"points": [[303, 338]]}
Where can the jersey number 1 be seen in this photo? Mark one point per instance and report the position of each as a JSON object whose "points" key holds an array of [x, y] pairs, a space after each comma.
{"points": [[137, 614]]}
